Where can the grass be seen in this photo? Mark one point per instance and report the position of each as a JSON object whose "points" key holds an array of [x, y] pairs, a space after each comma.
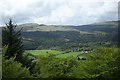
{"points": [[57, 53], [43, 52], [70, 54]]}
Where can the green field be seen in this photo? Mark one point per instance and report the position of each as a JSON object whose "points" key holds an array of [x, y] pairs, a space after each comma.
{"points": [[55, 52], [70, 54], [43, 52]]}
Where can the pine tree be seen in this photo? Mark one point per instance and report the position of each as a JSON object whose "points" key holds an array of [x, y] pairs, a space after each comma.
{"points": [[13, 39]]}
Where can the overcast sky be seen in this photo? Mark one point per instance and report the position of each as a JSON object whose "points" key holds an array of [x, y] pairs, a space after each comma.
{"points": [[69, 12]]}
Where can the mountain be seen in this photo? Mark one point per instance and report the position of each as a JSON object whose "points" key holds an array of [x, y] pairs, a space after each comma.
{"points": [[30, 27], [108, 27]]}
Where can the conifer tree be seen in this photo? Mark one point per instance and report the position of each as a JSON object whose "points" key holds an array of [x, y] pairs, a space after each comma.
{"points": [[12, 38]]}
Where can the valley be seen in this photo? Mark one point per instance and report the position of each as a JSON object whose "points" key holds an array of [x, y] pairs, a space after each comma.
{"points": [[64, 51]]}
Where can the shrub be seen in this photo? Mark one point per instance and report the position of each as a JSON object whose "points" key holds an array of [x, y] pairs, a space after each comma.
{"points": [[103, 63], [51, 67], [11, 68]]}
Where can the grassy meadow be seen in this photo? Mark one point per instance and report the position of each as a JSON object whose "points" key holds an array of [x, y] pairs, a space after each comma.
{"points": [[58, 54]]}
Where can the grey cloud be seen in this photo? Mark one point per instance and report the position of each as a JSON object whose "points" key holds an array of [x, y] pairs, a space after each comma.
{"points": [[79, 13]]}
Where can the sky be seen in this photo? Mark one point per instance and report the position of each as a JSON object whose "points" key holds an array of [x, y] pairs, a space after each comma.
{"points": [[58, 12]]}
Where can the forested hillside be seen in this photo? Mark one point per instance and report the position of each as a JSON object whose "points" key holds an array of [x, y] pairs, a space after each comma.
{"points": [[66, 37]]}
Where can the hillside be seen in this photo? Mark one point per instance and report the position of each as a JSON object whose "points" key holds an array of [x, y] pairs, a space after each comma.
{"points": [[108, 27], [69, 37], [103, 26], [30, 27]]}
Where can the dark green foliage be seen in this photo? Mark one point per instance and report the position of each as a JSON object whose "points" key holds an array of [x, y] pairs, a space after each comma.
{"points": [[12, 38], [101, 64], [11, 68], [64, 40], [28, 62], [51, 67]]}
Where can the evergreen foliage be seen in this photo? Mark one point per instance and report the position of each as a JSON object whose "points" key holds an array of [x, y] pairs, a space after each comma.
{"points": [[12, 38]]}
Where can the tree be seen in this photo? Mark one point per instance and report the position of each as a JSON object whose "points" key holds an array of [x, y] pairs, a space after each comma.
{"points": [[12, 38], [7, 67]]}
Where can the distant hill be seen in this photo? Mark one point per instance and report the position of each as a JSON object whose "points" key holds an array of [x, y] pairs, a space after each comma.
{"points": [[111, 26], [42, 27]]}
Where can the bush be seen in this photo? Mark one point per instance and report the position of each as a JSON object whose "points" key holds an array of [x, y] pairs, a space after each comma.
{"points": [[13, 69], [51, 67], [103, 63]]}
